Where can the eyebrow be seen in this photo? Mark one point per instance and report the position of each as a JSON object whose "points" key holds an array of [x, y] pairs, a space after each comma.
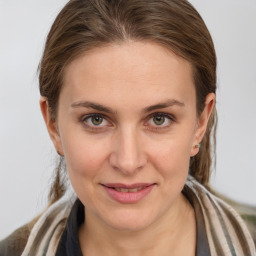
{"points": [[99, 107], [166, 104], [96, 106]]}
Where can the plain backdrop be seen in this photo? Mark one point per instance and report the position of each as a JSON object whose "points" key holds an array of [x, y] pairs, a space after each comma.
{"points": [[26, 154]]}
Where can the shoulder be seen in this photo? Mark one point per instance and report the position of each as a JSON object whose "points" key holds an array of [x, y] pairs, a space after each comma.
{"points": [[247, 212], [49, 225], [223, 223], [15, 243]]}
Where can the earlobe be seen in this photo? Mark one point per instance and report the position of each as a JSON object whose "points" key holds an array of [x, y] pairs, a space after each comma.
{"points": [[51, 125], [203, 122]]}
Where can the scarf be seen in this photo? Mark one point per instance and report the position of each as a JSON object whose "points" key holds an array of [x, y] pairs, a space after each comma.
{"points": [[226, 233]]}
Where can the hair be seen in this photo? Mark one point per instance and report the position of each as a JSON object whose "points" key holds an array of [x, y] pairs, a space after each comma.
{"points": [[175, 24]]}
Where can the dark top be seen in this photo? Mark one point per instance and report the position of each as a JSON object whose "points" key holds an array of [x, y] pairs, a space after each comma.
{"points": [[69, 242]]}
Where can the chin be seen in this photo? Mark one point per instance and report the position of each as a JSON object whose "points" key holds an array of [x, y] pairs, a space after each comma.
{"points": [[130, 220]]}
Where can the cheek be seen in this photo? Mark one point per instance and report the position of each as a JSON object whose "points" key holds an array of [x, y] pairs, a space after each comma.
{"points": [[84, 156], [172, 155], [85, 160], [172, 160]]}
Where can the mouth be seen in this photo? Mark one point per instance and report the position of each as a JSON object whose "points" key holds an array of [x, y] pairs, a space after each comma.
{"points": [[128, 193], [128, 188]]}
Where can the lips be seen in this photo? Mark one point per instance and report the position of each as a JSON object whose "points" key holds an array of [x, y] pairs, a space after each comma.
{"points": [[128, 193]]}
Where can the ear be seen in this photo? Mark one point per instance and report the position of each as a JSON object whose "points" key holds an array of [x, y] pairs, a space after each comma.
{"points": [[202, 123], [51, 125]]}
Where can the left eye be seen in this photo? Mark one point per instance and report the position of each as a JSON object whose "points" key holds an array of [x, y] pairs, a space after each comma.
{"points": [[160, 120]]}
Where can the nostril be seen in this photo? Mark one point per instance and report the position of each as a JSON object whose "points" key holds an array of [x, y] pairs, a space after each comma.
{"points": [[116, 168]]}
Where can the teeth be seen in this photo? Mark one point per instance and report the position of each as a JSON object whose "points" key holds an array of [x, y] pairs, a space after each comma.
{"points": [[126, 190], [133, 189]]}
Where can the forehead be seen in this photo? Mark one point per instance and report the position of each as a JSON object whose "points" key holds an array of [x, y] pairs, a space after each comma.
{"points": [[134, 71]]}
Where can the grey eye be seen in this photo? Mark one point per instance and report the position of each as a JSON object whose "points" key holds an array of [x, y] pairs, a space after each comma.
{"points": [[159, 120], [97, 120]]}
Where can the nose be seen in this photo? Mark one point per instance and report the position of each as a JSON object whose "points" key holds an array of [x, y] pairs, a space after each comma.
{"points": [[127, 154]]}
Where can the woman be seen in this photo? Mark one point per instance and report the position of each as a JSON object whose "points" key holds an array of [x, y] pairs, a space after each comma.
{"points": [[128, 92]]}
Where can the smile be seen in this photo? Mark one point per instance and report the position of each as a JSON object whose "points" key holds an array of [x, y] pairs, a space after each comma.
{"points": [[130, 190], [128, 194]]}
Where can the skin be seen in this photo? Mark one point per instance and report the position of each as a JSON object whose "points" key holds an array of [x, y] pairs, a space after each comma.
{"points": [[130, 146]]}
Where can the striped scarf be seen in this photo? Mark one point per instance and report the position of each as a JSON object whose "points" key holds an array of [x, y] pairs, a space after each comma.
{"points": [[226, 233]]}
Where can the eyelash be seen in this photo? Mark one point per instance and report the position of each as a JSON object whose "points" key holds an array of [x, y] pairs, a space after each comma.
{"points": [[86, 117], [170, 118], [98, 128]]}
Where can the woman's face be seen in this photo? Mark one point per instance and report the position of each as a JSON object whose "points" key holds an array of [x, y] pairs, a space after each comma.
{"points": [[127, 126]]}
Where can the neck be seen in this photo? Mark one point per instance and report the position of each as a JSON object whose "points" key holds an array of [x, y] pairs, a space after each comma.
{"points": [[174, 232]]}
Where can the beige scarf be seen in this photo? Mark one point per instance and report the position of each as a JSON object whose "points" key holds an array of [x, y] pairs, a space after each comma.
{"points": [[227, 234]]}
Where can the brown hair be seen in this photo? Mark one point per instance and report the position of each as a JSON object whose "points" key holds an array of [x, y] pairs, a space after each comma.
{"points": [[175, 24]]}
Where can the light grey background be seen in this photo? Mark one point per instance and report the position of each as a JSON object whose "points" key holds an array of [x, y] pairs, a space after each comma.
{"points": [[26, 154]]}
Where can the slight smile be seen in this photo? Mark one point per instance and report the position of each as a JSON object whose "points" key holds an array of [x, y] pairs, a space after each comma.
{"points": [[128, 194]]}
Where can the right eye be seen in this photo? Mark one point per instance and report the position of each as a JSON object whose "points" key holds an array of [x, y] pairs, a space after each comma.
{"points": [[94, 121]]}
